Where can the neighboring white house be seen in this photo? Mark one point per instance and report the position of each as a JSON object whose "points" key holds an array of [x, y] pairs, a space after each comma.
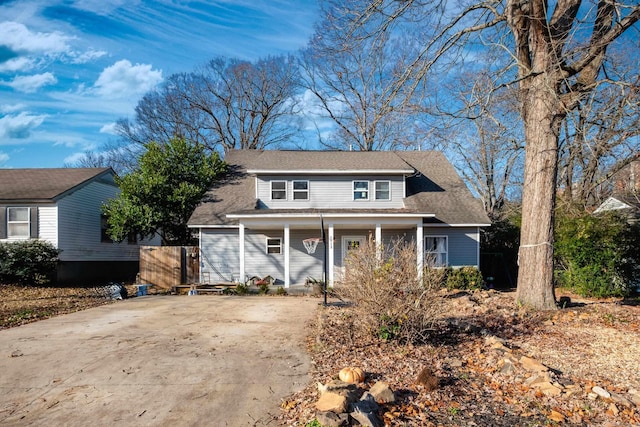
{"points": [[63, 206], [254, 222]]}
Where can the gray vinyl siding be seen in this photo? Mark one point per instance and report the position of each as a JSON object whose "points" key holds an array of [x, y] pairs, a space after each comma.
{"points": [[220, 259], [257, 262], [463, 244], [79, 236], [302, 264], [330, 192]]}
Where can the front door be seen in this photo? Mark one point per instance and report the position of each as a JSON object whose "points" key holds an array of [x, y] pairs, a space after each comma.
{"points": [[350, 243]]}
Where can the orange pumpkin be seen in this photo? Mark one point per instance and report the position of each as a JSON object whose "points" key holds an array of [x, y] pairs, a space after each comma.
{"points": [[351, 375]]}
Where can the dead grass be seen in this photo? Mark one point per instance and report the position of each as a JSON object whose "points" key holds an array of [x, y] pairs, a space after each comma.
{"points": [[26, 304]]}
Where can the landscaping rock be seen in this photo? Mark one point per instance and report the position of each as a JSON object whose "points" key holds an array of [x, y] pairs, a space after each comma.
{"points": [[548, 389], [532, 365], [601, 392], [634, 396], [331, 419], [620, 400], [382, 393], [332, 402], [365, 411]]}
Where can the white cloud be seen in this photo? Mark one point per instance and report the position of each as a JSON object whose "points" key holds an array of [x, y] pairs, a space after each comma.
{"points": [[4, 109], [88, 56], [32, 83], [74, 158], [20, 126], [109, 128], [17, 64], [123, 79], [19, 38], [4, 157]]}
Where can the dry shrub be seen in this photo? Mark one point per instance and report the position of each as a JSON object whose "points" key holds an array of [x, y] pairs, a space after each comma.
{"points": [[389, 298]]}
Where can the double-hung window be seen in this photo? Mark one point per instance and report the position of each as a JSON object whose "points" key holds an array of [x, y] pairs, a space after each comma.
{"points": [[360, 190], [278, 190], [300, 190], [436, 251], [382, 190], [18, 224], [274, 245]]}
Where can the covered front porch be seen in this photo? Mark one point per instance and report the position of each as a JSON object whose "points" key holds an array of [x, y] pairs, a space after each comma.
{"points": [[272, 243]]}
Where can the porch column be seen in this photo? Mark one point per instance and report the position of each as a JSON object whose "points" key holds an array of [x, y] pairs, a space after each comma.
{"points": [[420, 248], [241, 279], [286, 257], [331, 255], [378, 241]]}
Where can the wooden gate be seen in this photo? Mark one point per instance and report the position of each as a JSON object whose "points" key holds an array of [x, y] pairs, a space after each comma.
{"points": [[169, 266]]}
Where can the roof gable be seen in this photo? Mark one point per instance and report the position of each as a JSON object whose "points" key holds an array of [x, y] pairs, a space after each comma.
{"points": [[37, 185]]}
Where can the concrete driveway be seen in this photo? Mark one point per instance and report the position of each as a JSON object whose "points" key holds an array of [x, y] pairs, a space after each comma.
{"points": [[157, 360]]}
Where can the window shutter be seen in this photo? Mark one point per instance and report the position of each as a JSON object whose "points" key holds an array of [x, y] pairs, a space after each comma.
{"points": [[33, 233], [3, 223]]}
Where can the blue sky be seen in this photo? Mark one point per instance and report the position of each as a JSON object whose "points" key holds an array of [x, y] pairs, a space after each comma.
{"points": [[70, 68]]}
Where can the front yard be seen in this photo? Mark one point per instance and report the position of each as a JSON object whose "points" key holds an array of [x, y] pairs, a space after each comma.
{"points": [[481, 354], [486, 355]]}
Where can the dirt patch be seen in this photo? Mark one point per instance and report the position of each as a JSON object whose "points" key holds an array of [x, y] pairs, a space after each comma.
{"points": [[476, 352]]}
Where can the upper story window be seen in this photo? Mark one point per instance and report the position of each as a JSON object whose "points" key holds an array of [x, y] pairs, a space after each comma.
{"points": [[360, 190], [383, 190], [18, 224], [436, 251], [300, 190], [278, 190]]}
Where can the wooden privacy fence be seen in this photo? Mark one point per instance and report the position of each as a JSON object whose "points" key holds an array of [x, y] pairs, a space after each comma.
{"points": [[169, 266]]}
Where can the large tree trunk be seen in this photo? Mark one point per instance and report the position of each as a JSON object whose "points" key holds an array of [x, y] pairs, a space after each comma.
{"points": [[541, 123]]}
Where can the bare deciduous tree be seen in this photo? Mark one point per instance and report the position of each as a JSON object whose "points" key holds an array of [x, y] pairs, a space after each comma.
{"points": [[226, 104], [364, 86], [559, 50]]}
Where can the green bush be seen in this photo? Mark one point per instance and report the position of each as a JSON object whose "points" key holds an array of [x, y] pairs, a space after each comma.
{"points": [[468, 278], [597, 256], [29, 262]]}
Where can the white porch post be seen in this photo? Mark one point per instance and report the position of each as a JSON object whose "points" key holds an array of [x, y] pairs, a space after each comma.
{"points": [[378, 241], [286, 257], [420, 247], [241, 249], [330, 279]]}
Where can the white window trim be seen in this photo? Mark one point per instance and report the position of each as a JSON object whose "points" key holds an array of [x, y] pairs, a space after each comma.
{"points": [[294, 191], [278, 246], [286, 193], [375, 190], [353, 190], [28, 222], [428, 252]]}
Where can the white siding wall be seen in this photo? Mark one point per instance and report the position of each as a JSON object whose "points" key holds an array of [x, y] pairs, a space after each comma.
{"points": [[220, 259], [463, 244], [79, 227], [330, 192], [48, 224]]}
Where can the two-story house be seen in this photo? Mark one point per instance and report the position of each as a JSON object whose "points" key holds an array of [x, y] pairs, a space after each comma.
{"points": [[63, 207], [255, 221]]}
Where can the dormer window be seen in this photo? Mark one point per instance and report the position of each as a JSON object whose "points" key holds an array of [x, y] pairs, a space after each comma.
{"points": [[382, 190], [300, 190], [278, 190], [360, 190]]}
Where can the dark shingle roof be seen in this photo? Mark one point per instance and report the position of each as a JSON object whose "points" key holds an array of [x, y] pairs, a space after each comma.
{"points": [[38, 185], [275, 161], [434, 187]]}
